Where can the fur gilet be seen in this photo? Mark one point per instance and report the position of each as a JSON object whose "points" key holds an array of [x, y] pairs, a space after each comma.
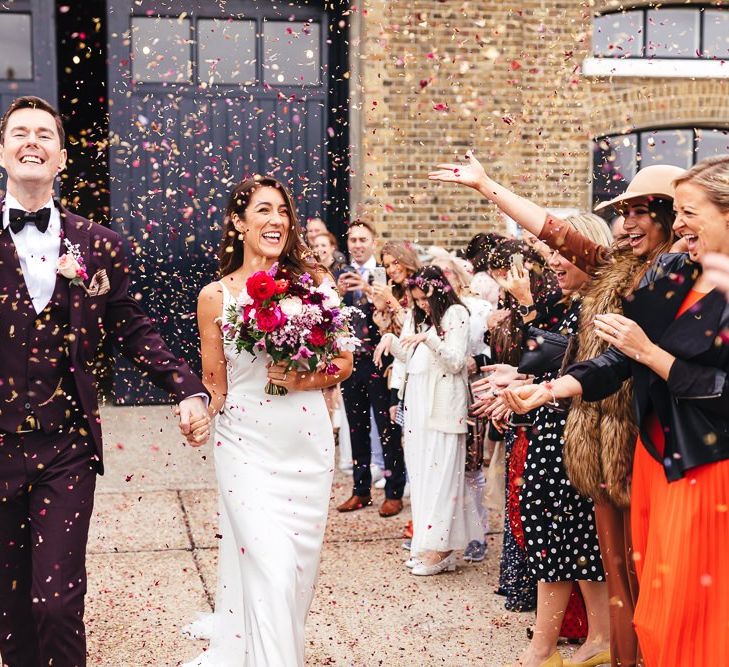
{"points": [[599, 437]]}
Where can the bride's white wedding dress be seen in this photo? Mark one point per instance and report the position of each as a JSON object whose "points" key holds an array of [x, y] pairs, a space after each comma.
{"points": [[274, 460]]}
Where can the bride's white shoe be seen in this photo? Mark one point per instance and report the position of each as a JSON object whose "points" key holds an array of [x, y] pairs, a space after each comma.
{"points": [[448, 564]]}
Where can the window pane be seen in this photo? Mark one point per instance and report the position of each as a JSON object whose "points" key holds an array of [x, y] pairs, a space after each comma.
{"points": [[614, 165], [160, 49], [711, 142], [667, 147], [716, 33], [673, 33], [16, 51], [291, 53], [618, 35], [226, 51]]}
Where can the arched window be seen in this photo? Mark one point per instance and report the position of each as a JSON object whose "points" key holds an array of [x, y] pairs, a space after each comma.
{"points": [[616, 157], [668, 32]]}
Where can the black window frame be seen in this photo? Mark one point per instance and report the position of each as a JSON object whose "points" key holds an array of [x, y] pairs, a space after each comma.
{"points": [[259, 84], [642, 134], [699, 8]]}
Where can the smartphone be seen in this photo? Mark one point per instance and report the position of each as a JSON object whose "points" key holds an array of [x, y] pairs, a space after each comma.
{"points": [[517, 261], [379, 275]]}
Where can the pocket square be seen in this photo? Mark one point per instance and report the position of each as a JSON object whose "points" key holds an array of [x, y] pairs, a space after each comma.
{"points": [[99, 284]]}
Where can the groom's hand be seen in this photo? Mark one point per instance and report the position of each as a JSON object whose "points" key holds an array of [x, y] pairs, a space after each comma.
{"points": [[194, 420]]}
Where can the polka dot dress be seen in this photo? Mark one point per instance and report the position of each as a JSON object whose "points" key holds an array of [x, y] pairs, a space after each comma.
{"points": [[559, 523]]}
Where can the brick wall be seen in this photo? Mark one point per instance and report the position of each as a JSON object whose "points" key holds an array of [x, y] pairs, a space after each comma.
{"points": [[440, 77]]}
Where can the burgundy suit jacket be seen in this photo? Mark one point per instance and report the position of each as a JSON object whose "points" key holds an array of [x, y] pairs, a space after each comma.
{"points": [[114, 314]]}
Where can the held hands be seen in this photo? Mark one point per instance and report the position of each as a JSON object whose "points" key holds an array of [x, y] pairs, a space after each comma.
{"points": [[471, 173], [194, 420], [625, 335]]}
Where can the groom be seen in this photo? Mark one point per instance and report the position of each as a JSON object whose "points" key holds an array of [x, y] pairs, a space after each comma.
{"points": [[53, 316]]}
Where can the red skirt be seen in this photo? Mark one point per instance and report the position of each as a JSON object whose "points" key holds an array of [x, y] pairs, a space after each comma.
{"points": [[681, 546]]}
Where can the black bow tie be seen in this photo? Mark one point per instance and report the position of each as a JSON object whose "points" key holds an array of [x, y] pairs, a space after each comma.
{"points": [[19, 218]]}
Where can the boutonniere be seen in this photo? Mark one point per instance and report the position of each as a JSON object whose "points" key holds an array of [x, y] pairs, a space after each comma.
{"points": [[71, 264]]}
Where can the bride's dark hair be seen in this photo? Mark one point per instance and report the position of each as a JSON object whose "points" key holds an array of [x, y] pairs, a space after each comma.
{"points": [[296, 258]]}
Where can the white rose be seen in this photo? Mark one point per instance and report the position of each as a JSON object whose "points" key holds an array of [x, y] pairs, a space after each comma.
{"points": [[291, 306], [348, 343], [331, 296]]}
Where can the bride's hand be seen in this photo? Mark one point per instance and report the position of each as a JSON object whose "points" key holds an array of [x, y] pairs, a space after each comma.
{"points": [[282, 376]]}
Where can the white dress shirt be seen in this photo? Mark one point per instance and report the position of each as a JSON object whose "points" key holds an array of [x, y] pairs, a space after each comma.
{"points": [[38, 252]]}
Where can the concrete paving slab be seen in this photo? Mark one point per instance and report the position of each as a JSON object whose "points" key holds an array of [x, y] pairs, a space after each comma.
{"points": [[143, 449], [201, 510], [138, 521], [137, 604]]}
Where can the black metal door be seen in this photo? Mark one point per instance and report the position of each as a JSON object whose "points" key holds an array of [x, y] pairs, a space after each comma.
{"points": [[199, 98], [27, 53]]}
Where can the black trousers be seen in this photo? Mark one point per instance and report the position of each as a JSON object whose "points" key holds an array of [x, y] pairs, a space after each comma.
{"points": [[367, 388], [47, 497]]}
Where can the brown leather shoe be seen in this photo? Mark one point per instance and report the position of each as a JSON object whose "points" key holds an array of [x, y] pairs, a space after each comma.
{"points": [[391, 507], [355, 503]]}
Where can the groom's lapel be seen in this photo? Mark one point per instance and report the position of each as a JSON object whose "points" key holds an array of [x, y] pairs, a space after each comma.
{"points": [[76, 230]]}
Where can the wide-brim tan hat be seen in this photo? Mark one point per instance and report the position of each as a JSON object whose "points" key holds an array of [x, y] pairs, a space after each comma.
{"points": [[654, 181]]}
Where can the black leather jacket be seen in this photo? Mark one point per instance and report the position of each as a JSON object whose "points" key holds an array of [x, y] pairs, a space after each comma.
{"points": [[693, 404]]}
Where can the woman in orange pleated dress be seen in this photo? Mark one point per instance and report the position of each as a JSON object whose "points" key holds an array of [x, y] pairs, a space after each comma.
{"points": [[674, 343]]}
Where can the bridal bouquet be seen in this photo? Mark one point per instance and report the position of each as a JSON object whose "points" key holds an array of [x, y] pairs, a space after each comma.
{"points": [[297, 322]]}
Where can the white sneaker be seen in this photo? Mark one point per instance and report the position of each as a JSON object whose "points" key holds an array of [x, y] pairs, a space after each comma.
{"points": [[377, 472], [380, 483]]}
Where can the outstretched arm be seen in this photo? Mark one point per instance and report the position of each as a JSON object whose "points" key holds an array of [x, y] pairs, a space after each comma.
{"points": [[529, 215], [556, 233]]}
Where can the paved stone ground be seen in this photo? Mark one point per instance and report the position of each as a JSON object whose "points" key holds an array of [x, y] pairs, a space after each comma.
{"points": [[152, 562]]}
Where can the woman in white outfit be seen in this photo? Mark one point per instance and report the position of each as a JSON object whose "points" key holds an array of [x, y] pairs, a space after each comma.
{"points": [[434, 346], [274, 455], [479, 310]]}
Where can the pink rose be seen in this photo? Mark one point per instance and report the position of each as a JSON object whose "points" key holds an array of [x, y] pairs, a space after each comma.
{"points": [[269, 319], [71, 268]]}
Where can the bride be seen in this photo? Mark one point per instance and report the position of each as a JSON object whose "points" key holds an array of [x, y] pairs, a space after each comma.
{"points": [[274, 455]]}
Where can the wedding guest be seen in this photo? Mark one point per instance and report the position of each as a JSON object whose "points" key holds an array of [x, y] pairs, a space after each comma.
{"points": [[478, 355], [392, 299], [367, 388], [600, 438], [669, 342], [315, 227], [434, 346], [326, 249], [529, 299]]}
